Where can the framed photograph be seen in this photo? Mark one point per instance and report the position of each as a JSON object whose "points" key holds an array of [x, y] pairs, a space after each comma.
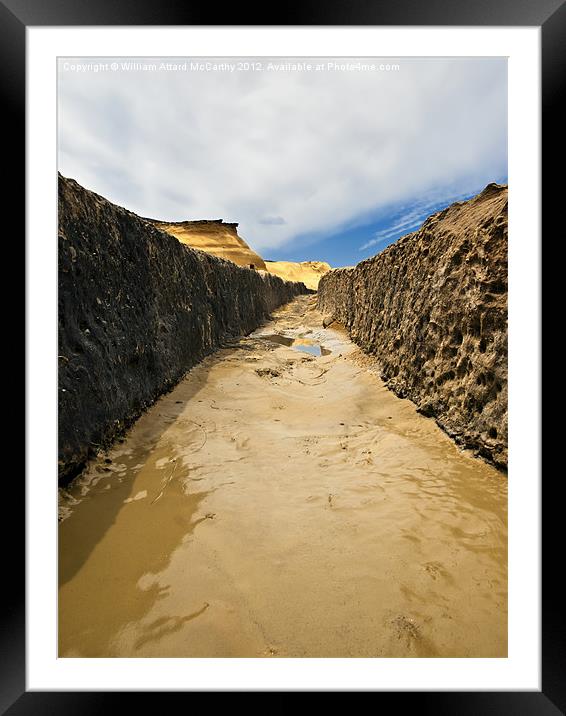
{"points": [[282, 350]]}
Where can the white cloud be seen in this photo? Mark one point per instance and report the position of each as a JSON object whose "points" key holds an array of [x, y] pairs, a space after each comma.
{"points": [[286, 153], [272, 220]]}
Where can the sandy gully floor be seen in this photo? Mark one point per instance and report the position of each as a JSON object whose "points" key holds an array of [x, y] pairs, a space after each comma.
{"points": [[283, 504]]}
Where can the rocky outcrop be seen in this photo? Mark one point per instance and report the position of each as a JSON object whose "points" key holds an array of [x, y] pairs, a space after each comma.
{"points": [[216, 237], [137, 309], [432, 309], [309, 272], [220, 238]]}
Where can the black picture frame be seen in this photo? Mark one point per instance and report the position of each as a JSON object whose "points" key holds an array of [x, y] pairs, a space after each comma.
{"points": [[550, 15]]}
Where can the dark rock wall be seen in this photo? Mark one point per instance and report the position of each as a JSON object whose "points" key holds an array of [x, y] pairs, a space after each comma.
{"points": [[432, 309], [137, 309]]}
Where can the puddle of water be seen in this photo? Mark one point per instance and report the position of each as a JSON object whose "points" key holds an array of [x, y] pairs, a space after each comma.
{"points": [[278, 338], [299, 344], [314, 349]]}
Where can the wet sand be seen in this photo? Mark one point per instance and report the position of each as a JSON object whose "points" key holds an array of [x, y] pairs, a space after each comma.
{"points": [[283, 504]]}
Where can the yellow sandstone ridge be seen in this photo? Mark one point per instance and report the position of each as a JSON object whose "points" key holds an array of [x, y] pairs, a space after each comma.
{"points": [[309, 272], [215, 237], [221, 239]]}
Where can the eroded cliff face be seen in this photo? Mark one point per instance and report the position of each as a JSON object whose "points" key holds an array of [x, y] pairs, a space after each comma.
{"points": [[137, 309], [432, 309], [216, 237], [220, 238]]}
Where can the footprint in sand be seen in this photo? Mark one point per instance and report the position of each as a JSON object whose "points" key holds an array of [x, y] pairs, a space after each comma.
{"points": [[405, 628], [269, 373], [435, 570], [241, 443]]}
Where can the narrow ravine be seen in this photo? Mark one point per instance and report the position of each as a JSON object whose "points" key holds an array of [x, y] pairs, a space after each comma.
{"points": [[282, 502]]}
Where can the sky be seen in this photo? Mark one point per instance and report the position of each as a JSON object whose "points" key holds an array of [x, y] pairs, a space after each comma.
{"points": [[316, 158]]}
